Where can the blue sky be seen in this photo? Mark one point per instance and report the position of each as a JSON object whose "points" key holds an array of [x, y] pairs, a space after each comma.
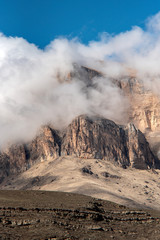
{"points": [[41, 21]]}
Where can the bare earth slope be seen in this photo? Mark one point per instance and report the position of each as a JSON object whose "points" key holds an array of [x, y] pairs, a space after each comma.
{"points": [[65, 216], [93, 177]]}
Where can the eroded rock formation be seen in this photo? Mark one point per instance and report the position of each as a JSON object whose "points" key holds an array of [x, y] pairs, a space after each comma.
{"points": [[85, 137], [101, 138], [95, 138]]}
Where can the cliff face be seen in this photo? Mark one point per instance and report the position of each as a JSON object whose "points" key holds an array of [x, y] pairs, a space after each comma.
{"points": [[144, 105], [96, 137], [19, 158], [45, 146], [139, 152], [101, 138], [144, 110], [85, 137]]}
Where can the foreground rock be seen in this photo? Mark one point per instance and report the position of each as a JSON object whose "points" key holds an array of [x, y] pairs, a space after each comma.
{"points": [[51, 215]]}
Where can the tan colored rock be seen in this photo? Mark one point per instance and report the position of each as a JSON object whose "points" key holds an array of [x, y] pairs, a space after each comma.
{"points": [[95, 138], [139, 152], [18, 158], [144, 109], [85, 137], [101, 138], [44, 146]]}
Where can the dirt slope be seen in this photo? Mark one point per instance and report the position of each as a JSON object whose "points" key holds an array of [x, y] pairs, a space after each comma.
{"points": [[93, 177], [65, 216]]}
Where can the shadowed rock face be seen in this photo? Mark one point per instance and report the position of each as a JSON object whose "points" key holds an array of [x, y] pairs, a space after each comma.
{"points": [[12, 160], [85, 137], [46, 145], [139, 152], [19, 158]]}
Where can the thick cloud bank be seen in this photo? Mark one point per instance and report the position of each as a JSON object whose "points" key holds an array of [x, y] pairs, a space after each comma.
{"points": [[34, 84]]}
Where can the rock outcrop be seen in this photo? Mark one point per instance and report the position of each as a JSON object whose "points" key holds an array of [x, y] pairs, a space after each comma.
{"points": [[144, 109], [96, 137], [19, 158], [85, 137], [45, 146], [139, 152], [144, 104], [101, 138]]}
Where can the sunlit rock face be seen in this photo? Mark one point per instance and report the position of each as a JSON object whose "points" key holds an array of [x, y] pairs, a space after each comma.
{"points": [[85, 137], [45, 146], [144, 108], [101, 138], [95, 138]]}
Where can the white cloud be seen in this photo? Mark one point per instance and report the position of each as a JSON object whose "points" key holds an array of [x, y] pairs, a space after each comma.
{"points": [[34, 87]]}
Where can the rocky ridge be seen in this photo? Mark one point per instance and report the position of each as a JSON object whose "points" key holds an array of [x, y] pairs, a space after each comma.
{"points": [[86, 137], [144, 103], [95, 137]]}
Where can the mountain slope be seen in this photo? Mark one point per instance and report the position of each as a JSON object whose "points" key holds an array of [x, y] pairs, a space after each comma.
{"points": [[93, 177], [56, 215], [86, 137]]}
